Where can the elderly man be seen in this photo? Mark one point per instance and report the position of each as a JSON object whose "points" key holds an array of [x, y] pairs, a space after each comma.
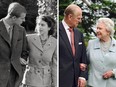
{"points": [[13, 46], [72, 51]]}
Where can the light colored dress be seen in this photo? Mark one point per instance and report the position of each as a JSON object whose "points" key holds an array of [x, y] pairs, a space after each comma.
{"points": [[42, 62]]}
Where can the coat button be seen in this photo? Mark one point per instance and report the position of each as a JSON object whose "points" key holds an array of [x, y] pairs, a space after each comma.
{"points": [[48, 70], [38, 71]]}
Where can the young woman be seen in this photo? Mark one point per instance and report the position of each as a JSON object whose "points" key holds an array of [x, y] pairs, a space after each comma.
{"points": [[43, 55]]}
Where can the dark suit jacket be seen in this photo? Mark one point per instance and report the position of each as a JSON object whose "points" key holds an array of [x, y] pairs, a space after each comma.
{"points": [[69, 64], [11, 52]]}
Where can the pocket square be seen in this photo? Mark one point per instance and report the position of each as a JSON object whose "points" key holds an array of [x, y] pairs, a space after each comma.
{"points": [[80, 43]]}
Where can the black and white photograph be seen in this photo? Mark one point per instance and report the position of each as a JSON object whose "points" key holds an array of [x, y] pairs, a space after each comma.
{"points": [[28, 43]]}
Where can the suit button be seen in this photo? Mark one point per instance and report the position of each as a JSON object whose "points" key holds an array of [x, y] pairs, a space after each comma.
{"points": [[38, 71], [9, 70], [48, 70]]}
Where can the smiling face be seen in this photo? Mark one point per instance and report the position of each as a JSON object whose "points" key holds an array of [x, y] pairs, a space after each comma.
{"points": [[102, 32], [42, 27]]}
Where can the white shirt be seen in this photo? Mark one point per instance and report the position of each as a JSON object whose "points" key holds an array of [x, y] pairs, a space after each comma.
{"points": [[66, 27]]}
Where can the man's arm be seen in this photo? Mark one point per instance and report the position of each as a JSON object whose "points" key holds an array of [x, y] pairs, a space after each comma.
{"points": [[25, 50]]}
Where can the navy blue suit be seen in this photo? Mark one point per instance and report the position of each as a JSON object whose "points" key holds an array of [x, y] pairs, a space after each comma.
{"points": [[69, 70]]}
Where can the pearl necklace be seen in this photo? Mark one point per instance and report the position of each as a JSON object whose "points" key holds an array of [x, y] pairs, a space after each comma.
{"points": [[105, 45], [43, 41]]}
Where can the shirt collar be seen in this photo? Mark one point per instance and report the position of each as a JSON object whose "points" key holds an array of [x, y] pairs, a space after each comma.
{"points": [[65, 25], [6, 24]]}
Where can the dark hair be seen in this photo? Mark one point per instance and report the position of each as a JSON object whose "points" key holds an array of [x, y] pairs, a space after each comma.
{"points": [[50, 22], [15, 9]]}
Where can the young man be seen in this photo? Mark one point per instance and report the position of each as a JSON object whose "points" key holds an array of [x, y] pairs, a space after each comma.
{"points": [[13, 46]]}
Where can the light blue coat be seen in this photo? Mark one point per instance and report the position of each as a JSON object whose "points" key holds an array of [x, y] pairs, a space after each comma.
{"points": [[100, 63]]}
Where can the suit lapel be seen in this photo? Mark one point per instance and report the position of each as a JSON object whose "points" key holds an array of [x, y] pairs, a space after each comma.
{"points": [[15, 36], [65, 38], [36, 41], [76, 39], [4, 33]]}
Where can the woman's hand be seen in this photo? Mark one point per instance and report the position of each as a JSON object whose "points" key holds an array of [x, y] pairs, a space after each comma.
{"points": [[108, 74]]}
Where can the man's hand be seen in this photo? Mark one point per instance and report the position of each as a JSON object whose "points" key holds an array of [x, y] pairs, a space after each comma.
{"points": [[23, 62], [83, 66], [81, 82]]}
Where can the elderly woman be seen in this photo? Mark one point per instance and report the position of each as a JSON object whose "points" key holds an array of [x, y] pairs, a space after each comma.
{"points": [[43, 55], [101, 53]]}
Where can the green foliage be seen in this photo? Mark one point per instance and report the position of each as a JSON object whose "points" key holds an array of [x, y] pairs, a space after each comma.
{"points": [[65, 1]]}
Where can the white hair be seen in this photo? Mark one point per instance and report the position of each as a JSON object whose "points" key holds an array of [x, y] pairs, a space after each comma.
{"points": [[109, 25]]}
